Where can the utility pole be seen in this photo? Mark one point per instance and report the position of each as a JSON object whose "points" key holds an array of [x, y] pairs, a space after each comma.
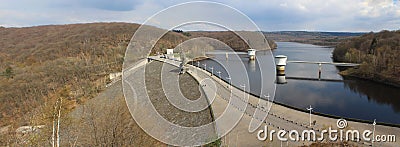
{"points": [[267, 96], [373, 132]]}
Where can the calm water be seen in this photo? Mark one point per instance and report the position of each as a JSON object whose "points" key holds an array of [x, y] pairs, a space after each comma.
{"points": [[352, 98]]}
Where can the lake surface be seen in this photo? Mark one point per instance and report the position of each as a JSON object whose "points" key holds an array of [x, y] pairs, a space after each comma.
{"points": [[350, 98]]}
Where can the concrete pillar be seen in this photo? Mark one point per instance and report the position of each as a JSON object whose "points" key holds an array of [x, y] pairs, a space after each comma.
{"points": [[280, 62], [251, 53]]}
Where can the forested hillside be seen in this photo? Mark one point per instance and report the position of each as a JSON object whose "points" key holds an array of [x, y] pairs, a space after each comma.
{"points": [[38, 62], [316, 38], [378, 53]]}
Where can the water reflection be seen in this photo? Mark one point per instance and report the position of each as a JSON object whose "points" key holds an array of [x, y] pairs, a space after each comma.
{"points": [[375, 92], [252, 65], [281, 79]]}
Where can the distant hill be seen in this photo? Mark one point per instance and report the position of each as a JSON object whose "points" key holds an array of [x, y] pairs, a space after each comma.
{"points": [[379, 54], [229, 38], [316, 38]]}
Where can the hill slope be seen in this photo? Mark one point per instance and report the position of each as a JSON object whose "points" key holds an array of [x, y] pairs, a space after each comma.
{"points": [[229, 38], [38, 62], [379, 54], [316, 38]]}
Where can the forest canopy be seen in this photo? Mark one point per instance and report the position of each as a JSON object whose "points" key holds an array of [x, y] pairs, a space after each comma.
{"points": [[378, 54]]}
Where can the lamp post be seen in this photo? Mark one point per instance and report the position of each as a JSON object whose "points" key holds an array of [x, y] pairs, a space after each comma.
{"points": [[310, 109], [212, 70], [267, 96], [198, 64], [205, 66], [244, 90], [373, 132], [244, 87], [230, 82], [219, 74]]}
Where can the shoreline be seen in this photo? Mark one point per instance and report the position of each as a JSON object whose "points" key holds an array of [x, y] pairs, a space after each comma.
{"points": [[383, 82]]}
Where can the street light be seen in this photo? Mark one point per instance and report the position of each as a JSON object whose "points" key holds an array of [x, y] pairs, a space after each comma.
{"points": [[310, 109], [244, 90], [219, 74], [267, 96], [212, 70], [205, 66], [198, 64], [230, 82], [373, 132]]}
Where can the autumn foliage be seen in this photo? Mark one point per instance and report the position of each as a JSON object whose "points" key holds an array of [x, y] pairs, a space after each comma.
{"points": [[378, 54]]}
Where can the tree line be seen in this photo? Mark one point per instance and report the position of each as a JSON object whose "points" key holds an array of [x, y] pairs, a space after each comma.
{"points": [[378, 54]]}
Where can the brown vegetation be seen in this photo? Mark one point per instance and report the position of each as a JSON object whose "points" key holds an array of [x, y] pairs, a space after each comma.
{"points": [[48, 59], [378, 53], [40, 66]]}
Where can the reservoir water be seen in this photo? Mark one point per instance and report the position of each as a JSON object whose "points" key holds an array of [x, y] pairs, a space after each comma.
{"points": [[350, 98]]}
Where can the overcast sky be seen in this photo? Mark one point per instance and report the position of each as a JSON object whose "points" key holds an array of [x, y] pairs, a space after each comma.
{"points": [[269, 15]]}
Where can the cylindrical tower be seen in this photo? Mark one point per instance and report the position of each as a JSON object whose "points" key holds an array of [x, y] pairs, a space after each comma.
{"points": [[280, 62], [251, 53]]}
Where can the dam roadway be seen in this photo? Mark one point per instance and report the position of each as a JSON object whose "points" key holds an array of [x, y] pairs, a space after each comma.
{"points": [[278, 118]]}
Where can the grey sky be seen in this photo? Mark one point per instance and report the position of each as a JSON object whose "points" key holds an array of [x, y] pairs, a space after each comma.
{"points": [[269, 15]]}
